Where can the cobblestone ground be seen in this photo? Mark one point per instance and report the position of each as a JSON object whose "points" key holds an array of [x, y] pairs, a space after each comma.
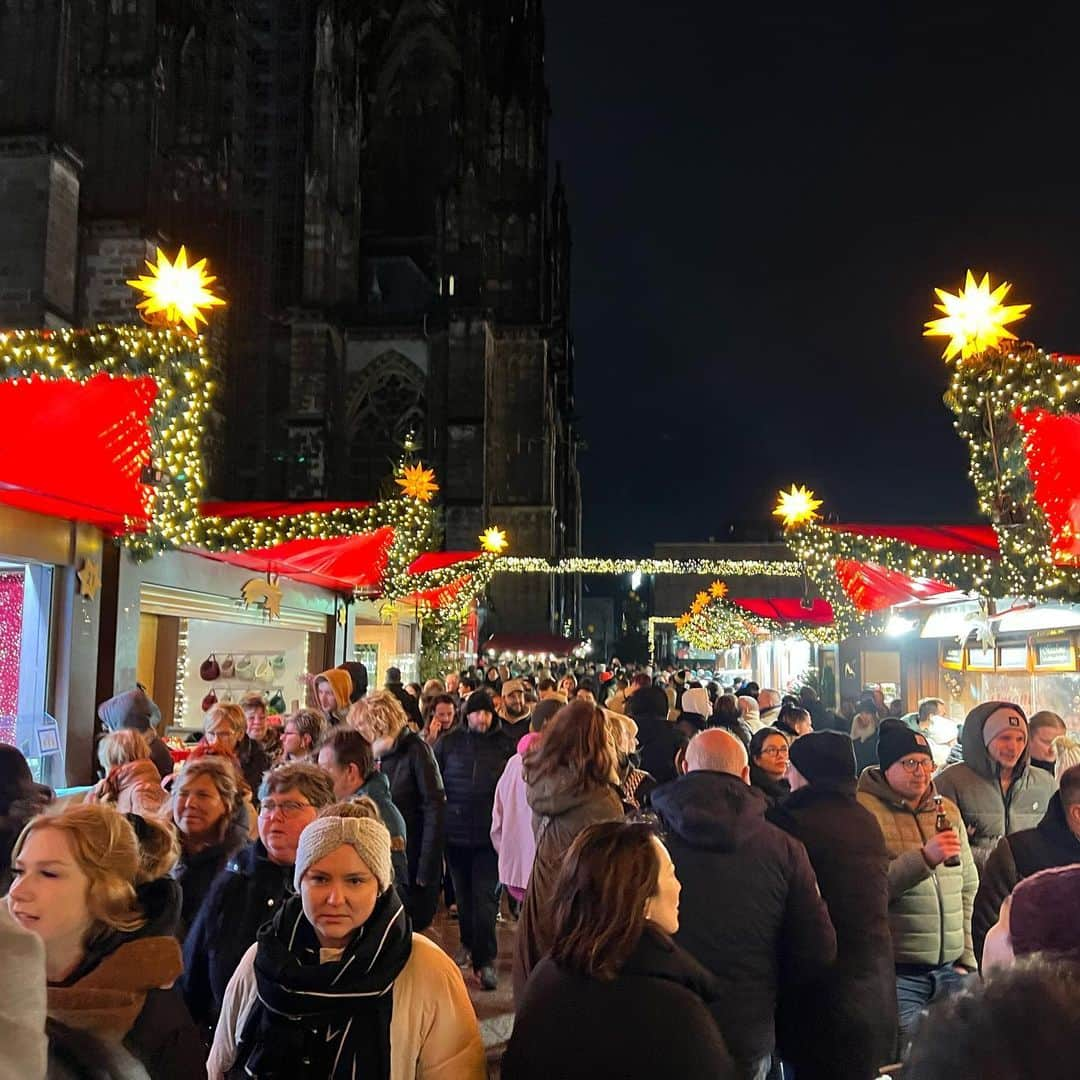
{"points": [[494, 1009]]}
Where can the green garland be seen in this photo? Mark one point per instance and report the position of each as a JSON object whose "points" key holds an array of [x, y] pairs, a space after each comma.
{"points": [[721, 624]]}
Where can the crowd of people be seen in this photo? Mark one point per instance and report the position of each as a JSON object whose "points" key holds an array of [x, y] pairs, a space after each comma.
{"points": [[701, 880]]}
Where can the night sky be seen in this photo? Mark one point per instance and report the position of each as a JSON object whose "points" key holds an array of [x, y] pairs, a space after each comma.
{"points": [[761, 205]]}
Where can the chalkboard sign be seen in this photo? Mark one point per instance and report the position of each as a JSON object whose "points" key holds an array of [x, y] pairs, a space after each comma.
{"points": [[1056, 655]]}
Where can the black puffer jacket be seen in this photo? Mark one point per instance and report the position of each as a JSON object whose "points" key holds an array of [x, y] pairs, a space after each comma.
{"points": [[471, 764], [749, 910], [1050, 843], [196, 873], [843, 1025], [416, 787], [658, 741], [247, 893]]}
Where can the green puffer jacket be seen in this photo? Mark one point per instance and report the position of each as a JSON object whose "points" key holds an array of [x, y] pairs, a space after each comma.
{"points": [[974, 786], [929, 910]]}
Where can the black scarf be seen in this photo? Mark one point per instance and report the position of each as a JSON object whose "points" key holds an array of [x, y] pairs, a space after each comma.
{"points": [[337, 1014]]}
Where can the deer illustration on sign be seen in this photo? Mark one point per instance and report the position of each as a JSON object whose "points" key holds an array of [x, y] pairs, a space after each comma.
{"points": [[264, 593]]}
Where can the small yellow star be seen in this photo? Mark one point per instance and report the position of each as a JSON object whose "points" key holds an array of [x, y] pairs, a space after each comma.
{"points": [[796, 506], [89, 579], [417, 482], [493, 540], [700, 603], [718, 590]]}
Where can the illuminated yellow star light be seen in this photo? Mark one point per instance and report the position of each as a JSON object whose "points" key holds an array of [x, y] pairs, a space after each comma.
{"points": [[175, 292], [975, 318], [418, 482], [700, 603], [796, 506], [718, 590], [493, 540]]}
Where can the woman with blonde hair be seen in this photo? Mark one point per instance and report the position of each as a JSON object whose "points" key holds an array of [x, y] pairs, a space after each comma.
{"points": [[132, 782], [337, 984], [417, 790], [206, 801], [570, 783], [110, 960], [225, 725]]}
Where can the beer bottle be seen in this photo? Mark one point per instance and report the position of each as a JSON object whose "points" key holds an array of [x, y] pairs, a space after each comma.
{"points": [[941, 824]]}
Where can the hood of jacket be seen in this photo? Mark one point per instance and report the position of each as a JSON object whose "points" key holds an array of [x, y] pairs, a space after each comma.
{"points": [[872, 781], [709, 809], [556, 793], [376, 786], [341, 684], [1055, 826], [696, 700], [657, 956], [820, 792], [527, 742], [976, 755]]}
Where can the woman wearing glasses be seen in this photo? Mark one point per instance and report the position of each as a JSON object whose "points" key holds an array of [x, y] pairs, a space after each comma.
{"points": [[768, 764]]}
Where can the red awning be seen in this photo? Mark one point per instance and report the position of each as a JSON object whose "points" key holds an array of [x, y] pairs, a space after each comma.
{"points": [[788, 609], [340, 563], [1052, 452], [963, 539], [530, 644], [872, 588], [77, 450], [440, 597]]}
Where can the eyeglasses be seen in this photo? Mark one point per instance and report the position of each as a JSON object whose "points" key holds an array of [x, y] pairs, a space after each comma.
{"points": [[226, 733], [917, 764], [288, 808], [775, 751]]}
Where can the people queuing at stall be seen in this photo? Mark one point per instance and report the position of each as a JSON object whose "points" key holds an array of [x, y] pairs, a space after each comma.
{"points": [[754, 882]]}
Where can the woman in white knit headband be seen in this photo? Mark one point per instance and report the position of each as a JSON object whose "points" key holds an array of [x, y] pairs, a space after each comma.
{"points": [[337, 985]]}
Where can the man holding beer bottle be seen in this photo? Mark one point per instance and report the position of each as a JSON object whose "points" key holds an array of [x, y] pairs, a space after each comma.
{"points": [[930, 901]]}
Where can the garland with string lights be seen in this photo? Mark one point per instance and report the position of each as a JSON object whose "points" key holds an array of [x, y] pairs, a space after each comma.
{"points": [[725, 567]]}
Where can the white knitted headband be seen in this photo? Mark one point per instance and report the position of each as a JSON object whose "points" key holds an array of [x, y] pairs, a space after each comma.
{"points": [[368, 837]]}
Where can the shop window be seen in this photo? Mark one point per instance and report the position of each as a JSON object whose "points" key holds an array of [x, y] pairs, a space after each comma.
{"points": [[25, 617]]}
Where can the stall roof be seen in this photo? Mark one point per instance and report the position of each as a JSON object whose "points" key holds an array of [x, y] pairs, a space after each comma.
{"points": [[871, 587], [963, 539], [89, 465], [788, 609], [530, 644]]}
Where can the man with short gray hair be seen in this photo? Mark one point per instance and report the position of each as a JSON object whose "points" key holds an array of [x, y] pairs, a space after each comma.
{"points": [[768, 706], [749, 910]]}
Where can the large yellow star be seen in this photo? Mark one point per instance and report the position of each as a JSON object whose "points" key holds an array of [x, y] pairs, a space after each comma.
{"points": [[418, 482], [796, 506], [493, 540], [175, 292], [718, 590], [974, 319]]}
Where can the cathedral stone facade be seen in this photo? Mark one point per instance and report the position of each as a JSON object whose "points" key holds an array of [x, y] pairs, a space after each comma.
{"points": [[370, 179]]}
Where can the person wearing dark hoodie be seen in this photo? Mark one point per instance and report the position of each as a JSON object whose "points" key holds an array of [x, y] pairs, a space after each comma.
{"points": [[333, 692], [750, 909], [409, 704], [658, 741], [111, 957], [994, 787], [417, 790], [570, 780], [256, 881], [841, 1026], [1055, 841], [472, 758], [134, 709]]}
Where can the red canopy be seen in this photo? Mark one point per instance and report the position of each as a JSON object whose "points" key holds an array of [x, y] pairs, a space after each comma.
{"points": [[871, 587], [531, 644], [1052, 450], [77, 450], [963, 539], [788, 609]]}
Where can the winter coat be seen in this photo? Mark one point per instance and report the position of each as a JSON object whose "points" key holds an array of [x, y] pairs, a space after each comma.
{"points": [[116, 993], [651, 1021], [433, 1029], [254, 762], [973, 785], [160, 756], [512, 821], [22, 1001], [843, 1025], [408, 703], [417, 790], [471, 763], [1050, 843], [196, 872], [516, 730], [866, 752], [749, 910], [658, 741], [246, 894], [929, 910], [133, 788], [377, 788], [559, 813], [775, 791]]}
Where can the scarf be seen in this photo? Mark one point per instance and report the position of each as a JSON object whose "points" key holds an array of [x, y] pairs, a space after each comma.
{"points": [[340, 1009], [107, 1000]]}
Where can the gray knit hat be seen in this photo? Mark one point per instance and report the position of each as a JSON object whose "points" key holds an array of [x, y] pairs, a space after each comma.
{"points": [[369, 838]]}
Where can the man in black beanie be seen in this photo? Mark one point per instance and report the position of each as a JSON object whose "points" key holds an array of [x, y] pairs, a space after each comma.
{"points": [[844, 1023], [930, 902]]}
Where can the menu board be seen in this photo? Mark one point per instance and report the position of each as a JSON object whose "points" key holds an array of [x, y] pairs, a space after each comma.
{"points": [[1055, 655], [1013, 657], [981, 659], [953, 658]]}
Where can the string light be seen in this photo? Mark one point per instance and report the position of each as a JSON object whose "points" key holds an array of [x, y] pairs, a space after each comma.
{"points": [[701, 567]]}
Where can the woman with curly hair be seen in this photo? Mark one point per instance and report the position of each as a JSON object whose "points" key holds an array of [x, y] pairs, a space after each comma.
{"points": [[571, 780], [110, 959], [132, 782]]}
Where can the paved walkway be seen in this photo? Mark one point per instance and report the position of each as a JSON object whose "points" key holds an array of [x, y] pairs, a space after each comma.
{"points": [[494, 1009]]}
